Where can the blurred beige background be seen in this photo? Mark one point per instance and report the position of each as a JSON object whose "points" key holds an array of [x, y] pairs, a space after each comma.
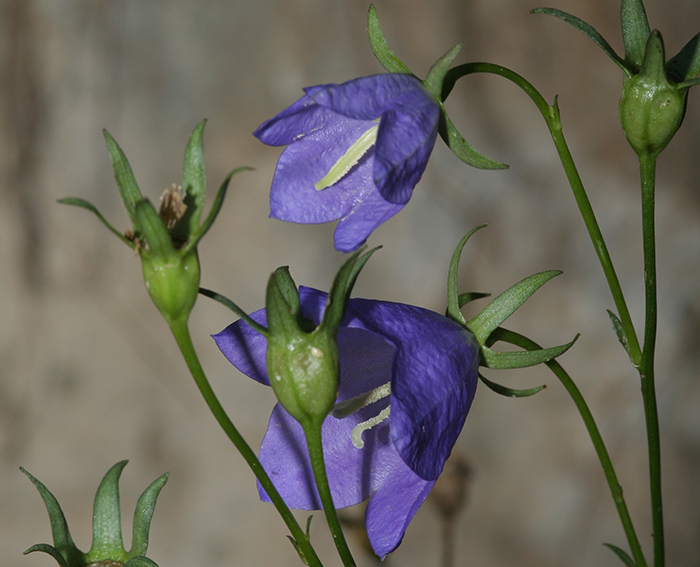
{"points": [[89, 374]]}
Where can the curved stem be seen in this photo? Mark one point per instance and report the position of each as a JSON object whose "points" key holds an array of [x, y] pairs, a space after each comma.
{"points": [[551, 117], [312, 431], [646, 368], [593, 432], [181, 333]]}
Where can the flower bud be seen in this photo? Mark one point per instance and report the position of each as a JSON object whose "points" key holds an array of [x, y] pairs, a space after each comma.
{"points": [[302, 366], [651, 108]]}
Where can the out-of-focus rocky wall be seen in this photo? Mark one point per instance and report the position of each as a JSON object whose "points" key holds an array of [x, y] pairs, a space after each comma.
{"points": [[90, 376]]}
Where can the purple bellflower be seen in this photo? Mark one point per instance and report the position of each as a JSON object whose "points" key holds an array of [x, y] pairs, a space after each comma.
{"points": [[354, 152], [407, 379]]}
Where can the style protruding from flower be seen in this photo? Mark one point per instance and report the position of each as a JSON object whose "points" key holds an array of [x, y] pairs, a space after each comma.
{"points": [[356, 150], [166, 240], [654, 91], [407, 380], [107, 543]]}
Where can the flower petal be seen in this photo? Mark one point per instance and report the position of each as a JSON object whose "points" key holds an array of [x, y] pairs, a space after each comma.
{"points": [[245, 348], [295, 121]]}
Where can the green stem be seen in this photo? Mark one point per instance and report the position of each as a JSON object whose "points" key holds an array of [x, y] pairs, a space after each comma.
{"points": [[550, 113], [593, 432], [181, 333], [647, 164], [312, 431]]}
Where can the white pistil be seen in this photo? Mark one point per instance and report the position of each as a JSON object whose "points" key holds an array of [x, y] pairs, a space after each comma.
{"points": [[344, 409], [349, 158], [360, 428]]}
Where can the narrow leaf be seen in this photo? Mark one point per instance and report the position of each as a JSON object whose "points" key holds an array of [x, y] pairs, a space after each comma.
{"points": [[590, 32], [619, 331], [453, 303], [124, 176], [461, 148], [510, 392], [437, 73], [503, 306], [62, 540], [686, 65], [107, 540], [226, 302], [469, 296], [624, 557], [142, 516], [522, 359], [197, 235], [635, 30], [379, 46], [77, 202], [194, 184], [52, 551]]}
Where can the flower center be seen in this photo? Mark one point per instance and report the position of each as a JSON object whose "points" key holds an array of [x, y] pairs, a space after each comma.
{"points": [[348, 407], [349, 158]]}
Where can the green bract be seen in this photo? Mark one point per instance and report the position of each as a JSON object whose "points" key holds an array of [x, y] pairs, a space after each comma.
{"points": [[484, 325], [107, 545], [166, 240], [654, 91], [433, 82]]}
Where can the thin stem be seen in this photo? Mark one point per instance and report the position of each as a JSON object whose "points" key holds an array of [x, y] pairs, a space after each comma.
{"points": [[551, 117], [312, 431], [181, 333], [594, 434], [647, 164]]}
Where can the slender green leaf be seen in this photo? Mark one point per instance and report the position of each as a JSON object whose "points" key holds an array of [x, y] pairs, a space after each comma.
{"points": [[124, 176], [437, 73], [379, 46], [143, 514], [590, 32], [453, 303], [510, 392], [619, 331], [624, 557], [635, 30], [226, 302], [77, 202]]}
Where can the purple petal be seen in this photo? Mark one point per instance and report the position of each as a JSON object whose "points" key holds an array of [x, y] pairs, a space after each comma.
{"points": [[433, 379], [366, 98], [305, 162], [299, 119], [245, 348]]}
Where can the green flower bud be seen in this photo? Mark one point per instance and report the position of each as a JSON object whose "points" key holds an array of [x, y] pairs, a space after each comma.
{"points": [[302, 366], [651, 107]]}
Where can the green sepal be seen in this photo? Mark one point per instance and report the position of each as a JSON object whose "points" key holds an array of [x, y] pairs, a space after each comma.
{"points": [[153, 229], [521, 359], [635, 31], [107, 540], [197, 234], [379, 46], [281, 318], [461, 148], [436, 76], [124, 176], [339, 294], [140, 561], [590, 32], [503, 306], [453, 301], [52, 551], [288, 288], [469, 296], [63, 545], [226, 302], [194, 185], [685, 66], [142, 519], [622, 555], [619, 331], [78, 202], [510, 392]]}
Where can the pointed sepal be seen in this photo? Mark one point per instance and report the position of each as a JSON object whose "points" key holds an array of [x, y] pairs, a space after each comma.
{"points": [[454, 304], [463, 149], [107, 540], [685, 66], [50, 550], [436, 76], [124, 176], [510, 392], [522, 359], [590, 32], [82, 203], [635, 31], [194, 184], [145, 506], [379, 46]]}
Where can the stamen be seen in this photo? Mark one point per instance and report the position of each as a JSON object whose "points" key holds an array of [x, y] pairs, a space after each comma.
{"points": [[348, 407], [360, 428], [349, 158]]}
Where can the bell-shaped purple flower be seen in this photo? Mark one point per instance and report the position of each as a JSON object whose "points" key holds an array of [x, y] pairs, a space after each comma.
{"points": [[407, 379], [354, 152]]}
